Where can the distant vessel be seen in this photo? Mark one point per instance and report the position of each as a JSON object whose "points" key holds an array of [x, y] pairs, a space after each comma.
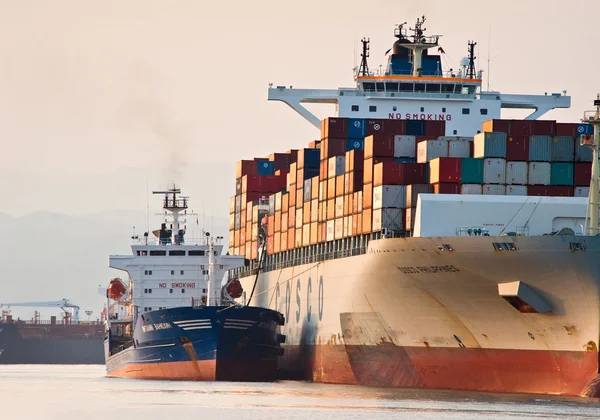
{"points": [[172, 319], [66, 341], [424, 242]]}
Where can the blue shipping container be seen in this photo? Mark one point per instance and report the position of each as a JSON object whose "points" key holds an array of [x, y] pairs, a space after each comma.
{"points": [[585, 129], [357, 128], [355, 144], [471, 171], [310, 172], [265, 167], [405, 160], [311, 157], [561, 174], [582, 153], [540, 148], [415, 127], [563, 149]]}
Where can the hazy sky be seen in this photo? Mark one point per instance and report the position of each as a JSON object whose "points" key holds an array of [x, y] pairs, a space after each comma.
{"points": [[90, 87]]}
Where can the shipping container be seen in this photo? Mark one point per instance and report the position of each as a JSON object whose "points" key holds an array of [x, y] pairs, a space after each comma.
{"points": [[308, 158], [412, 173], [339, 207], [431, 149], [339, 185], [334, 127], [517, 148], [291, 218], [386, 173], [307, 190], [271, 225], [405, 160], [245, 167], [566, 129], [388, 219], [314, 231], [232, 204], [284, 221], [582, 153], [415, 127], [367, 221], [516, 173], [446, 188], [544, 128], [353, 182], [347, 204], [306, 173], [331, 209], [306, 235], [330, 189], [293, 173], [332, 146], [516, 190], [336, 166], [582, 174], [459, 148], [413, 191], [540, 148], [389, 196], [357, 128], [471, 171], [322, 211], [561, 173], [493, 189], [299, 218], [356, 224], [354, 160], [265, 167], [494, 171], [323, 190], [472, 189], [277, 221], [330, 235], [300, 196], [563, 149], [444, 170], [306, 213], [339, 228], [522, 127], [369, 165], [435, 128], [409, 218], [550, 191], [347, 226], [277, 242], [285, 202], [281, 161], [299, 236], [355, 144], [503, 126], [539, 173], [315, 144], [379, 145], [489, 145], [405, 146], [367, 196], [582, 192], [292, 194], [291, 238]]}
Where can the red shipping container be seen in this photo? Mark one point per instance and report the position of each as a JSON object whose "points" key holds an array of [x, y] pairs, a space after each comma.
{"points": [[293, 155], [503, 126], [412, 173], [446, 188], [281, 161], [354, 160], [522, 128], [566, 129], [332, 146], [517, 148], [395, 127], [245, 167], [375, 126], [582, 174], [435, 129], [368, 167], [334, 127], [386, 173], [353, 181], [544, 128], [445, 169], [550, 191], [379, 145]]}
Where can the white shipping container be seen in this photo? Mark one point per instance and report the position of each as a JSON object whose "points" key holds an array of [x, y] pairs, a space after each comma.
{"points": [[405, 146], [494, 171], [516, 173], [413, 191], [582, 191], [390, 219], [339, 207], [330, 235], [459, 148], [347, 226], [539, 173], [516, 190], [339, 228], [470, 189], [494, 189], [389, 196], [431, 149], [336, 166]]}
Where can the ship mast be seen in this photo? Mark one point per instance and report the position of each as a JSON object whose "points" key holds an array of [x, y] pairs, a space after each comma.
{"points": [[419, 44], [593, 141], [174, 205]]}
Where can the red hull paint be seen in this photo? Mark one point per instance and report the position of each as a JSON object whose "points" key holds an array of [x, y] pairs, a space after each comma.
{"points": [[201, 370], [489, 370]]}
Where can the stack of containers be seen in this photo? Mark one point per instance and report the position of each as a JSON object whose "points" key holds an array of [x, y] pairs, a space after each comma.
{"points": [[491, 147]]}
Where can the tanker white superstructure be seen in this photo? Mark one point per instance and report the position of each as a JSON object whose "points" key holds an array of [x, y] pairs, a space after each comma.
{"points": [[489, 293]]}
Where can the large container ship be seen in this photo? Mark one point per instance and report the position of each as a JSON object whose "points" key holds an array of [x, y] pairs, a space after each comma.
{"points": [[65, 341], [423, 241], [173, 319]]}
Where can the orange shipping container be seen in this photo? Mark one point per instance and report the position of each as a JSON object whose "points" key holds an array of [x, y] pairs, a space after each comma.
{"points": [[232, 221], [243, 218], [278, 201], [361, 202], [367, 196], [292, 218], [270, 225], [314, 211], [236, 239], [284, 241], [356, 224], [322, 211], [249, 211], [339, 185], [248, 233], [306, 213], [306, 235], [369, 168], [299, 196], [331, 209], [284, 222], [339, 207], [347, 226], [293, 173], [277, 242], [320, 229], [231, 238], [323, 168], [291, 238], [254, 252], [277, 219], [285, 203], [299, 218], [292, 196], [254, 232], [248, 250], [270, 245], [232, 204], [330, 229], [314, 188], [347, 204], [299, 238], [255, 214], [330, 189], [314, 230], [367, 221], [339, 228], [323, 190]]}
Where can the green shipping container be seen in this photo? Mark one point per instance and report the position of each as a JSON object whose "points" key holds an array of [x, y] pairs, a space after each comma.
{"points": [[561, 174], [471, 171]]}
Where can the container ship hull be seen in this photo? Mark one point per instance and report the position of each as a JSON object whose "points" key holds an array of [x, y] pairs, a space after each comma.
{"points": [[410, 313], [52, 348], [204, 344]]}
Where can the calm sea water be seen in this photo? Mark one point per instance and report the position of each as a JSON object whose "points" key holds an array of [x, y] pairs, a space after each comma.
{"points": [[82, 392]]}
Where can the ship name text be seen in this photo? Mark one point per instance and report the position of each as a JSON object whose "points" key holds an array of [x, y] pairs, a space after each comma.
{"points": [[428, 117], [431, 269], [156, 327]]}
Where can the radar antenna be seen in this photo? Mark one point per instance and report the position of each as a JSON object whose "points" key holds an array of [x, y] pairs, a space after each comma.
{"points": [[471, 56], [364, 67]]}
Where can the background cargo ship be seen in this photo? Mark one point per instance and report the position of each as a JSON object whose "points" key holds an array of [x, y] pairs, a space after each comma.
{"points": [[65, 341], [424, 242]]}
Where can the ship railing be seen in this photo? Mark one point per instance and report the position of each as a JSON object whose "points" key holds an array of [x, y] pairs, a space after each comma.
{"points": [[201, 240], [49, 322]]}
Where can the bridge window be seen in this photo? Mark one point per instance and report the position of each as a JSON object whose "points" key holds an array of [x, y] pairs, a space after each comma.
{"points": [[176, 253], [372, 108], [433, 88], [354, 108], [196, 253], [407, 87], [419, 87], [143, 253], [380, 87], [447, 88], [466, 111], [392, 86], [158, 253], [369, 86], [483, 111], [458, 88]]}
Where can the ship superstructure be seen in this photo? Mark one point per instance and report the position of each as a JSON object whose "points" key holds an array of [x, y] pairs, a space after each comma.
{"points": [[174, 319], [410, 248]]}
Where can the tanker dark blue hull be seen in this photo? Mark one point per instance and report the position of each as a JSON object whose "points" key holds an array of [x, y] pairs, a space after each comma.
{"points": [[207, 343]]}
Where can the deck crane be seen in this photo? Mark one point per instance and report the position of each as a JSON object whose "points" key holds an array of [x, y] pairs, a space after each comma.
{"points": [[71, 311]]}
